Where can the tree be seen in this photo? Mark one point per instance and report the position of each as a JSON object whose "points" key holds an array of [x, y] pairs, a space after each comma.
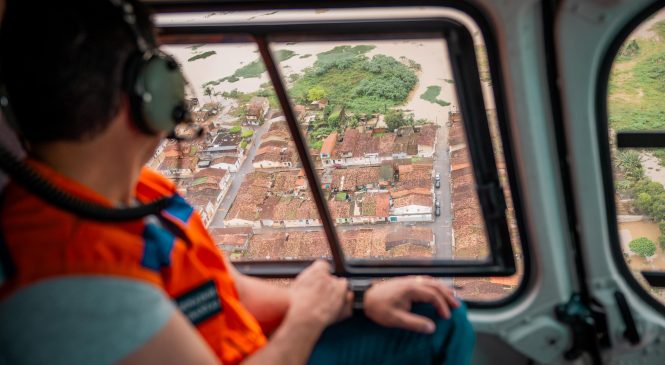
{"points": [[643, 202], [247, 133], [208, 92], [316, 93], [394, 119], [643, 247], [235, 129]]}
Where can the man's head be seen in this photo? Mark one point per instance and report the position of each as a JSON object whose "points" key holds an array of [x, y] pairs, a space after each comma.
{"points": [[67, 82]]}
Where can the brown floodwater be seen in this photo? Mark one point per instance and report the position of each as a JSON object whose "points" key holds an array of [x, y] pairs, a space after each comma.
{"points": [[629, 231]]}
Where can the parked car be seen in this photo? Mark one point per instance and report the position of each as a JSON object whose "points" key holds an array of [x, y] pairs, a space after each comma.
{"points": [[437, 203], [437, 184], [437, 211], [437, 177]]}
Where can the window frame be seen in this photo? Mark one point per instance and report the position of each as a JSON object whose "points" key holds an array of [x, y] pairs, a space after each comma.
{"points": [[292, 268], [624, 140]]}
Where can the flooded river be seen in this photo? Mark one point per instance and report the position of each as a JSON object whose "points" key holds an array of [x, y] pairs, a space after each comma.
{"points": [[431, 54]]}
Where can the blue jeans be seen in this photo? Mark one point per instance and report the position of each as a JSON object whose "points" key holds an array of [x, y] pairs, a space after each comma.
{"points": [[360, 341]]}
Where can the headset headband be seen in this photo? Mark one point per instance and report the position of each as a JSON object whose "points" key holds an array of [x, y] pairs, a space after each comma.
{"points": [[129, 17]]}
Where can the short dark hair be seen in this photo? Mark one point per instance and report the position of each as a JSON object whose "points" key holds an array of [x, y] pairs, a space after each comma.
{"points": [[63, 64]]}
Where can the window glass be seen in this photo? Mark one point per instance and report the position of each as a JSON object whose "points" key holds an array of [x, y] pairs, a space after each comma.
{"points": [[244, 176], [635, 103], [383, 127]]}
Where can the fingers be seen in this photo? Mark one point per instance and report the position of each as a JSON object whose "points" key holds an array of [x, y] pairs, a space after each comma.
{"points": [[425, 293], [320, 265], [445, 292], [414, 322]]}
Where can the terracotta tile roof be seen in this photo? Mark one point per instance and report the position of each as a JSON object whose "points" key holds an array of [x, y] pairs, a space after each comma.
{"points": [[225, 159], [375, 205], [179, 163], [295, 208], [413, 199], [349, 142], [339, 209], [233, 237], [386, 142], [414, 176], [250, 197], [329, 144], [479, 289], [351, 177], [217, 174], [427, 135], [284, 181], [512, 281], [288, 245]]}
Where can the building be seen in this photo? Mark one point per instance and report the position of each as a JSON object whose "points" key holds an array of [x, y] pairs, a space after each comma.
{"points": [[355, 178], [229, 163], [233, 241], [178, 167], [276, 149], [412, 207], [257, 109], [328, 146], [426, 140], [244, 211], [410, 242], [271, 157]]}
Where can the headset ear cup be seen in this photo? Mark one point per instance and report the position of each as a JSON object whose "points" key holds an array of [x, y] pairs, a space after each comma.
{"points": [[161, 86]]}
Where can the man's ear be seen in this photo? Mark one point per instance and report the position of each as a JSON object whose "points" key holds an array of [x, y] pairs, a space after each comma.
{"points": [[125, 114]]}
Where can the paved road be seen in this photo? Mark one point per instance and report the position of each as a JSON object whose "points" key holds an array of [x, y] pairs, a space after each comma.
{"points": [[442, 225], [238, 177]]}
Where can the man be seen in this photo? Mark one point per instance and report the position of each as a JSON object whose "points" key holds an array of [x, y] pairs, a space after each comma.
{"points": [[76, 290]]}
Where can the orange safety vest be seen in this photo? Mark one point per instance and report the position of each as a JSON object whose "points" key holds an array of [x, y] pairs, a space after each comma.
{"points": [[43, 242]]}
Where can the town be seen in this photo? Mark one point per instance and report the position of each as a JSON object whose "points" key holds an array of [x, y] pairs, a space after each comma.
{"points": [[384, 193]]}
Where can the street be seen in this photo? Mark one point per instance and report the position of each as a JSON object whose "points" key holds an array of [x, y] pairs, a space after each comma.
{"points": [[441, 227], [239, 177]]}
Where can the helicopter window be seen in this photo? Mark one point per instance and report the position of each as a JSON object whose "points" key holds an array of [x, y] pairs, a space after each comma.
{"points": [[378, 150], [636, 119]]}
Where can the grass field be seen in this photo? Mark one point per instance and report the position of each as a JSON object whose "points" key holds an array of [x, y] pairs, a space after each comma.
{"points": [[636, 99]]}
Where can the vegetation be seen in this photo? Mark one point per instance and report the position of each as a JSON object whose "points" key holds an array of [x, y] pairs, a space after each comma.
{"points": [[244, 98], [349, 78], [431, 95], [643, 247], [235, 129], [243, 144], [256, 67], [636, 87], [396, 118], [201, 56], [247, 133]]}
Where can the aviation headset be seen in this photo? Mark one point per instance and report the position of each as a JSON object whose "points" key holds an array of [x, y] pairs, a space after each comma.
{"points": [[156, 88], [154, 82]]}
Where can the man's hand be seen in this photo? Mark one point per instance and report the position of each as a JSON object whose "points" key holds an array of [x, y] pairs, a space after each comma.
{"points": [[317, 297], [388, 303]]}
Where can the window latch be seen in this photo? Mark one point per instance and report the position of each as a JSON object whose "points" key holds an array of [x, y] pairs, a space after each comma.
{"points": [[588, 323]]}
